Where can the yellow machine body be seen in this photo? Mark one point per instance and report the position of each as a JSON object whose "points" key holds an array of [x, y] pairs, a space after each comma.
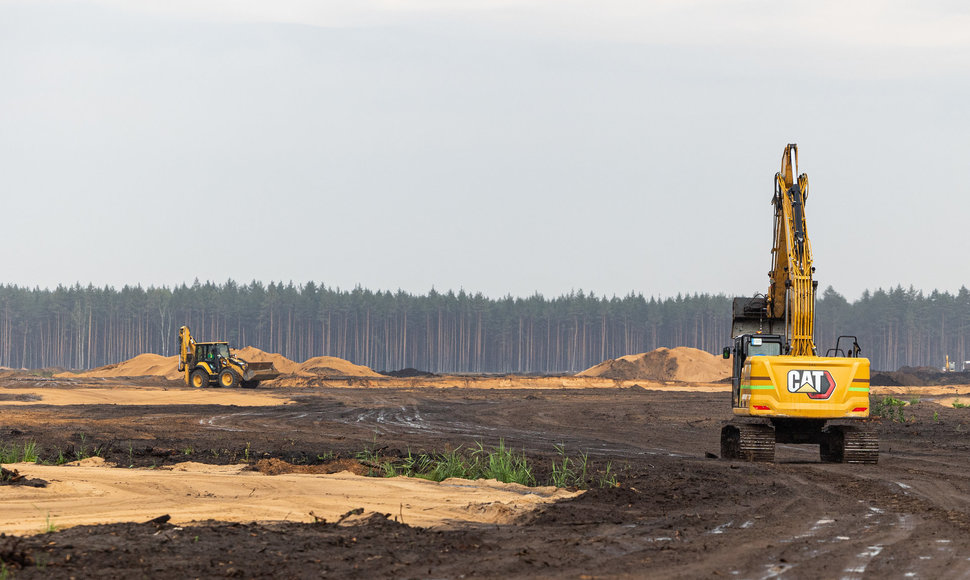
{"points": [[807, 387], [203, 363], [782, 390]]}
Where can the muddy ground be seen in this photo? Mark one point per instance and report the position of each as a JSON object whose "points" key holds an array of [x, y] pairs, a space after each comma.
{"points": [[677, 511]]}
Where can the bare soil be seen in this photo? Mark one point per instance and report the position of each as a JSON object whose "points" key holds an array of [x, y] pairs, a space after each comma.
{"points": [[920, 376], [677, 512]]}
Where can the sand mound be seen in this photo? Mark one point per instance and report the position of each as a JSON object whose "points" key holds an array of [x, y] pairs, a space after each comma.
{"points": [[275, 466], [167, 366], [664, 364], [334, 367], [143, 365], [327, 366], [253, 354]]}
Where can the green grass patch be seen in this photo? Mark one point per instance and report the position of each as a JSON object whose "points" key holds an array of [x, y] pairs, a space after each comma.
{"points": [[498, 462], [27, 453], [889, 408], [958, 405]]}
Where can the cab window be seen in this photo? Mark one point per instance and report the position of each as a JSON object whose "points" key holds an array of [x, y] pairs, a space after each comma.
{"points": [[759, 346]]}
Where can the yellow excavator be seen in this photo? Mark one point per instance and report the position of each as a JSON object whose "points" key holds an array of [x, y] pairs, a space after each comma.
{"points": [[204, 363], [782, 390]]}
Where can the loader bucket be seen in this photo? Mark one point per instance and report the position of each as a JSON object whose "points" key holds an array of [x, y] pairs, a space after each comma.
{"points": [[260, 371]]}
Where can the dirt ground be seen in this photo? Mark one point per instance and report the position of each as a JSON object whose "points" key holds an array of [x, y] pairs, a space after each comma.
{"points": [[677, 511]]}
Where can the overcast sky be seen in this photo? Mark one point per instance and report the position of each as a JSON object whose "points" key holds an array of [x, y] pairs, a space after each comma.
{"points": [[506, 147]]}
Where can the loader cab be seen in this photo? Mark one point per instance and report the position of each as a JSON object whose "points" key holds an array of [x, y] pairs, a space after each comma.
{"points": [[211, 352], [748, 345]]}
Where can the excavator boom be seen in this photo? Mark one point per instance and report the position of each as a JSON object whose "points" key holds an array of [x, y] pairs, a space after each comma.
{"points": [[791, 291]]}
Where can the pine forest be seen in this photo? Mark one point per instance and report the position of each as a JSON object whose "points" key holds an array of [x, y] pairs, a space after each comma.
{"points": [[84, 327]]}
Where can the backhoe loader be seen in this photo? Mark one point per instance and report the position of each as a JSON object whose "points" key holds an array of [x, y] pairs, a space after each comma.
{"points": [[782, 390], [205, 363]]}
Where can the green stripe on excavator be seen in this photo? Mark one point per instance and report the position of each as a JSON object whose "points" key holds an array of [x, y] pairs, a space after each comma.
{"points": [[759, 387], [860, 389]]}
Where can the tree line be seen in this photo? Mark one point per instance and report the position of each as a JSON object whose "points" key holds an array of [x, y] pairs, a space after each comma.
{"points": [[84, 327]]}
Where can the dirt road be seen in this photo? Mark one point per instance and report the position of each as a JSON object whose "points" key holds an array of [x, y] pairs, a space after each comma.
{"points": [[677, 512]]}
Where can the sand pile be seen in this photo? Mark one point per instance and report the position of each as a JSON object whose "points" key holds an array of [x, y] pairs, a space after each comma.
{"points": [[253, 354], [155, 365], [143, 365], [664, 364], [327, 366], [330, 366]]}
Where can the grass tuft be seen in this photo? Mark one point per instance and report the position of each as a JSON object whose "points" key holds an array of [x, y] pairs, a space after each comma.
{"points": [[25, 454], [50, 527], [890, 408]]}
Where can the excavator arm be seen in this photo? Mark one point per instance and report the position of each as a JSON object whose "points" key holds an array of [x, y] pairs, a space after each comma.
{"points": [[791, 291]]}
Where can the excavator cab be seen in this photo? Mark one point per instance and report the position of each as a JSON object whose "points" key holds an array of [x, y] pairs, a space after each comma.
{"points": [[748, 345]]}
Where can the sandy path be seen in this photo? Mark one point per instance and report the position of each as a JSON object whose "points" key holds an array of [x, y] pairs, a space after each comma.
{"points": [[194, 492], [141, 396], [944, 390]]}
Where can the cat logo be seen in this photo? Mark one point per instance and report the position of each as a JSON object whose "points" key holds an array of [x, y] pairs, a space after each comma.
{"points": [[817, 385]]}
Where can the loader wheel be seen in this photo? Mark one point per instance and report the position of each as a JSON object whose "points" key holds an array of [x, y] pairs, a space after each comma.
{"points": [[228, 379], [199, 379]]}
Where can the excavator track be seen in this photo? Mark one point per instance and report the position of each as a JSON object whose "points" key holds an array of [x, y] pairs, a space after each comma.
{"points": [[748, 442], [849, 444]]}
